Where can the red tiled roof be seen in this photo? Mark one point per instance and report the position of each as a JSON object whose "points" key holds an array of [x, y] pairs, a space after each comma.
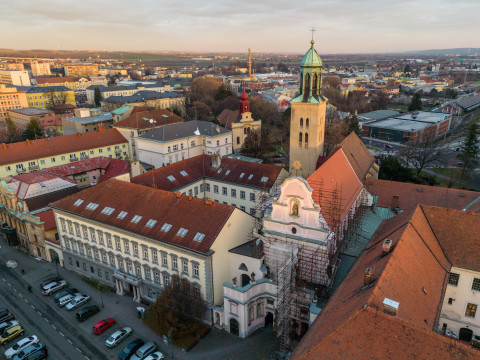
{"points": [[410, 195], [78, 167], [52, 120], [193, 214], [40, 148], [227, 117], [357, 154], [115, 167], [54, 80], [48, 218], [383, 336], [137, 119], [396, 276], [335, 184], [201, 166], [39, 176]]}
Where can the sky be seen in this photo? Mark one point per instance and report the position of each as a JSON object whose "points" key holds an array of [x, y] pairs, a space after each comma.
{"points": [[343, 26]]}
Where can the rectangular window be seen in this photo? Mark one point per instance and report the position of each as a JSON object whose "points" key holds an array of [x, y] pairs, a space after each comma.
{"points": [[234, 193], [192, 144], [195, 270], [166, 280], [145, 254], [126, 247], [252, 211], [174, 263], [215, 189], [52, 160], [135, 250], [112, 260], [224, 191], [164, 260], [453, 279], [242, 208], [476, 284], [207, 187], [242, 194], [190, 192], [85, 233], [196, 190], [201, 187], [154, 256], [109, 240], [92, 234], [117, 244], [185, 266], [252, 197], [147, 273], [157, 277], [100, 239], [471, 310]]}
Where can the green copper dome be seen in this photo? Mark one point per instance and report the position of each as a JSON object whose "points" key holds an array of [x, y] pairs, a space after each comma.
{"points": [[311, 58]]}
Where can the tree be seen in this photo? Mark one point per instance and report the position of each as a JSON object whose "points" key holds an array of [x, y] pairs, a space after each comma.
{"points": [[469, 150], [331, 81], [199, 111], [97, 96], [223, 93], [407, 69], [282, 68], [13, 132], [335, 132], [352, 125], [33, 130], [178, 307], [383, 101], [416, 103], [265, 111], [392, 169], [204, 89], [420, 155], [451, 93]]}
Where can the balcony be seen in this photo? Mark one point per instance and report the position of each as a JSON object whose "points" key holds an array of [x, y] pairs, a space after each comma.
{"points": [[129, 278], [74, 158], [84, 157], [118, 151], [21, 171], [33, 167]]}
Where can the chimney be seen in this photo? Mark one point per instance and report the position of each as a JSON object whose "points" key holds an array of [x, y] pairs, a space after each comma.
{"points": [[395, 202], [216, 161], [209, 202], [4, 146], [179, 194], [390, 306], [249, 63], [387, 245], [367, 279], [101, 128], [190, 198]]}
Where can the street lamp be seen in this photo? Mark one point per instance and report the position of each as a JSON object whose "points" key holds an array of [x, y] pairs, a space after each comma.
{"points": [[101, 297], [56, 267]]}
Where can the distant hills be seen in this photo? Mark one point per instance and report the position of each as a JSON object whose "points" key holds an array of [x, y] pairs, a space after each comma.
{"points": [[456, 51]]}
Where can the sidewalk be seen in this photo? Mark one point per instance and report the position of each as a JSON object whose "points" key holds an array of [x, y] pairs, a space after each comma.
{"points": [[216, 345]]}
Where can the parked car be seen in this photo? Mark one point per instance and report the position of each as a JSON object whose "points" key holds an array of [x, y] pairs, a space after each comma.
{"points": [[388, 146], [64, 292], [157, 355], [86, 312], [118, 336], [11, 334], [79, 300], [40, 354], [66, 299], [20, 345], [103, 325], [130, 349], [143, 351], [49, 280], [5, 315], [54, 287], [7, 325], [32, 349]]}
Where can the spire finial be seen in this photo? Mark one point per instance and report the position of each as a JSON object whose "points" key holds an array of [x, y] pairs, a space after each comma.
{"points": [[312, 30]]}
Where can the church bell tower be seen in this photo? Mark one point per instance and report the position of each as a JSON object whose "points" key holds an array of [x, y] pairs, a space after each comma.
{"points": [[307, 123]]}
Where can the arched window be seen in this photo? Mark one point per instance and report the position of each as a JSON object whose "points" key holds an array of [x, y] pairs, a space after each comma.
{"points": [[238, 140], [315, 85], [307, 123], [301, 122], [244, 131], [306, 89], [300, 138], [243, 267], [260, 309], [306, 139]]}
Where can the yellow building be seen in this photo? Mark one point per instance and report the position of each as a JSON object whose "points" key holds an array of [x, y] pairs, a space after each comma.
{"points": [[78, 71], [47, 97], [22, 117], [166, 100], [27, 156], [307, 124], [66, 81], [10, 98]]}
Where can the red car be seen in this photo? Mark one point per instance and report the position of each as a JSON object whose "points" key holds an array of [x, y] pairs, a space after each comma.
{"points": [[103, 325]]}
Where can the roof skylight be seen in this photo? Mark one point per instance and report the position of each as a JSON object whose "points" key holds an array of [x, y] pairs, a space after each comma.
{"points": [[228, 172], [171, 178], [242, 175], [199, 237], [108, 210], [92, 206], [219, 170], [78, 202], [182, 232], [122, 215], [166, 227], [264, 179], [183, 172], [250, 177], [136, 219], [151, 223]]}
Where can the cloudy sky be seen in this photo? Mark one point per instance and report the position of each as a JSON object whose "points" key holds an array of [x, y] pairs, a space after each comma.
{"points": [[343, 26]]}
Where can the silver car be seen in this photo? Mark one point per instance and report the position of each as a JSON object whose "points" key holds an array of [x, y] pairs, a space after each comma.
{"points": [[79, 300], [66, 299], [20, 345], [118, 336], [54, 287]]}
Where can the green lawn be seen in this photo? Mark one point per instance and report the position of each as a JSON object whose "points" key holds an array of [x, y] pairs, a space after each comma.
{"points": [[454, 173], [372, 148]]}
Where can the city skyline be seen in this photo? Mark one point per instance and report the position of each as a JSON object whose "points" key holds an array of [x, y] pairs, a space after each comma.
{"points": [[228, 26]]}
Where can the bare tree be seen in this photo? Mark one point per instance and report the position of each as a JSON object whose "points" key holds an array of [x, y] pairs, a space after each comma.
{"points": [[421, 155], [335, 132]]}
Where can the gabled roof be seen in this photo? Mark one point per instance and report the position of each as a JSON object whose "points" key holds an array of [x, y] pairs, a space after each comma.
{"points": [[48, 218], [141, 120], [335, 187], [357, 154], [227, 117], [410, 195], [40, 148], [193, 214], [55, 80], [187, 171], [413, 273], [185, 129]]}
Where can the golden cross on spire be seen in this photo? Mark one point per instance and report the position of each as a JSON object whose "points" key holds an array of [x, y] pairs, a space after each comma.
{"points": [[312, 30]]}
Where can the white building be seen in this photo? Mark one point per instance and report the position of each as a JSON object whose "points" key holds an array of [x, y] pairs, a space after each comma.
{"points": [[40, 68], [15, 77], [172, 143]]}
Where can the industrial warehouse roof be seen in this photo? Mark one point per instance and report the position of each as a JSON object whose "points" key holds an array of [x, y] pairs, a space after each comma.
{"points": [[353, 324], [378, 115], [31, 111], [470, 102], [146, 211], [91, 119], [40, 148], [181, 173], [185, 129], [143, 95]]}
